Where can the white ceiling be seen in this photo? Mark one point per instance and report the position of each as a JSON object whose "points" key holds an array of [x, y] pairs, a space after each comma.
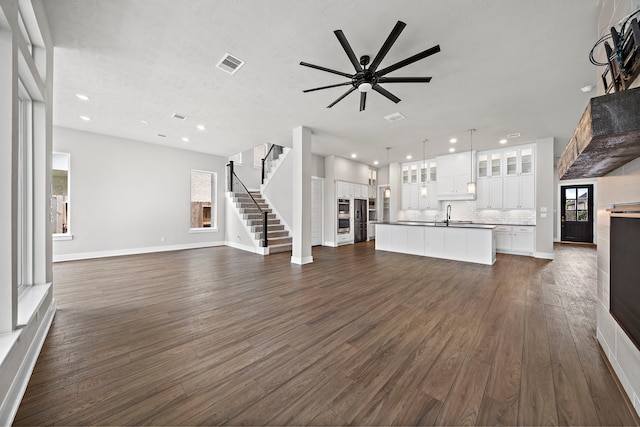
{"points": [[506, 66]]}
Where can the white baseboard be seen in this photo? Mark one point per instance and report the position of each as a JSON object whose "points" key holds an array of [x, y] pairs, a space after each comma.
{"points": [[330, 244], [301, 260], [9, 406], [133, 251], [256, 250], [544, 255]]}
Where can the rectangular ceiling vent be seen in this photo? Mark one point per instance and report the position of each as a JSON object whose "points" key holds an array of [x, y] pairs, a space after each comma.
{"points": [[229, 63], [514, 135], [179, 116], [395, 117]]}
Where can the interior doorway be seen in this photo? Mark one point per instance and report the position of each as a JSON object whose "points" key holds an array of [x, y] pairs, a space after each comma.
{"points": [[576, 213]]}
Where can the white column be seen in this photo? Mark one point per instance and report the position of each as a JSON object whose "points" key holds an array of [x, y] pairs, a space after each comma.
{"points": [[8, 182], [301, 197]]}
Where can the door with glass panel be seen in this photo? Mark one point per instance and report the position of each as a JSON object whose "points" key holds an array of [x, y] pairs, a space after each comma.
{"points": [[576, 220]]}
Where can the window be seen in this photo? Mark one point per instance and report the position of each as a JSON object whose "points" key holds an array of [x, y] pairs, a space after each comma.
{"points": [[259, 153], [25, 185], [236, 159], [203, 195], [60, 200]]}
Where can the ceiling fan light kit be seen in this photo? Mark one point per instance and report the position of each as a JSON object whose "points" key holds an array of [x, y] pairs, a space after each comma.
{"points": [[366, 79]]}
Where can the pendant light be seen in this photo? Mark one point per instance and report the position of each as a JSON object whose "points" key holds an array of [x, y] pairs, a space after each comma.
{"points": [[423, 188], [387, 191], [471, 185]]}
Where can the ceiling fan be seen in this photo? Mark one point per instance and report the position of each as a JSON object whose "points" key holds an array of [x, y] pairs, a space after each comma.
{"points": [[365, 78]]}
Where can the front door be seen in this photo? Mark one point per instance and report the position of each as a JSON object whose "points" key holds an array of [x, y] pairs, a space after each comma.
{"points": [[576, 220]]}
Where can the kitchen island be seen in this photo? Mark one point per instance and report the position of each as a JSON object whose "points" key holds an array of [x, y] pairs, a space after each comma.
{"points": [[460, 242]]}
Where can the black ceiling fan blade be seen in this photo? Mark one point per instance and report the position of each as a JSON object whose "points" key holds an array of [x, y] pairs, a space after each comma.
{"points": [[404, 79], [341, 97], [347, 48], [386, 93], [328, 70], [363, 100], [409, 60], [327, 87], [393, 36]]}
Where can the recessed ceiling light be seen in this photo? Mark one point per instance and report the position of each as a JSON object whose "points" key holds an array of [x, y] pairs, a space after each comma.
{"points": [[375, 162], [408, 156], [185, 139], [513, 135], [144, 122], [503, 141], [394, 117], [201, 127], [453, 140], [452, 150], [83, 97], [353, 156], [85, 118], [587, 88]]}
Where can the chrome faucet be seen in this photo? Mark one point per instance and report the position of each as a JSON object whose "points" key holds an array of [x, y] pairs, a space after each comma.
{"points": [[448, 214], [435, 220]]}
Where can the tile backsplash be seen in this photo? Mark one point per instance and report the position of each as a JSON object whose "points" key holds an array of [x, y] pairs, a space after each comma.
{"points": [[466, 211]]}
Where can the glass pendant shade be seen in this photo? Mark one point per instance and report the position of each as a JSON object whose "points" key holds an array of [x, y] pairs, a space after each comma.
{"points": [[471, 187], [423, 190], [387, 193]]}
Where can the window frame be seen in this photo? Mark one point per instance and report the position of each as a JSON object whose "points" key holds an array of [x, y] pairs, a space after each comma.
{"points": [[67, 235], [25, 189], [214, 202]]}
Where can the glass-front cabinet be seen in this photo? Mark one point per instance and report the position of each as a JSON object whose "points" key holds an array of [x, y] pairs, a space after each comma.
{"points": [[489, 164], [519, 161]]}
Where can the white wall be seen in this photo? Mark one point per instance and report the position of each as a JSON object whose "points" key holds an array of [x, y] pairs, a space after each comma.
{"points": [[349, 170], [279, 189], [317, 166], [129, 196], [545, 200], [250, 176]]}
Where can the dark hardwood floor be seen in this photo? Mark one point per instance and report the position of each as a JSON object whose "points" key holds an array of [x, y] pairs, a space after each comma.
{"points": [[220, 336]]}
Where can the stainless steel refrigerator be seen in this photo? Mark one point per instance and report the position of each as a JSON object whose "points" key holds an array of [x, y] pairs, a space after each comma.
{"points": [[359, 220]]}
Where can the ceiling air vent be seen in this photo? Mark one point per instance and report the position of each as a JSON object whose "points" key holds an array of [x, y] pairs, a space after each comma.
{"points": [[179, 116], [229, 63], [395, 117]]}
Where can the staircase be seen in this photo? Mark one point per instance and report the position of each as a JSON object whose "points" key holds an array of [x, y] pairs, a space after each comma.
{"points": [[278, 239]]}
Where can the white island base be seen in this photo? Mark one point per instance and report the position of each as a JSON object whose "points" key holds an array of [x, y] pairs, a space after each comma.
{"points": [[470, 243]]}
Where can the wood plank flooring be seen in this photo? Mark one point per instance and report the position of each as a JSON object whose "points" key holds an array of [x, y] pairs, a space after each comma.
{"points": [[223, 337]]}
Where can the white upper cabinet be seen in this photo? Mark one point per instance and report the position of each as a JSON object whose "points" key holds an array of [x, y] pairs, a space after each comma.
{"points": [[453, 174], [489, 164], [519, 161]]}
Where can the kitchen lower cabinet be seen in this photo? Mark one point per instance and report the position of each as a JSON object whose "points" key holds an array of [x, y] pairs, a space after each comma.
{"points": [[470, 244], [512, 239]]}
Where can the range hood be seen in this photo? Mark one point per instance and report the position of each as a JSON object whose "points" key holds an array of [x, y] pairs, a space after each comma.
{"points": [[607, 136]]}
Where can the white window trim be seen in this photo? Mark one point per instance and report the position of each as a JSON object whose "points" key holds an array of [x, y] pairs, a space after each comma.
{"points": [[214, 204], [67, 235]]}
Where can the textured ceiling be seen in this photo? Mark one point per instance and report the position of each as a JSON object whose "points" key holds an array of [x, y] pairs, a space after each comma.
{"points": [[506, 66]]}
